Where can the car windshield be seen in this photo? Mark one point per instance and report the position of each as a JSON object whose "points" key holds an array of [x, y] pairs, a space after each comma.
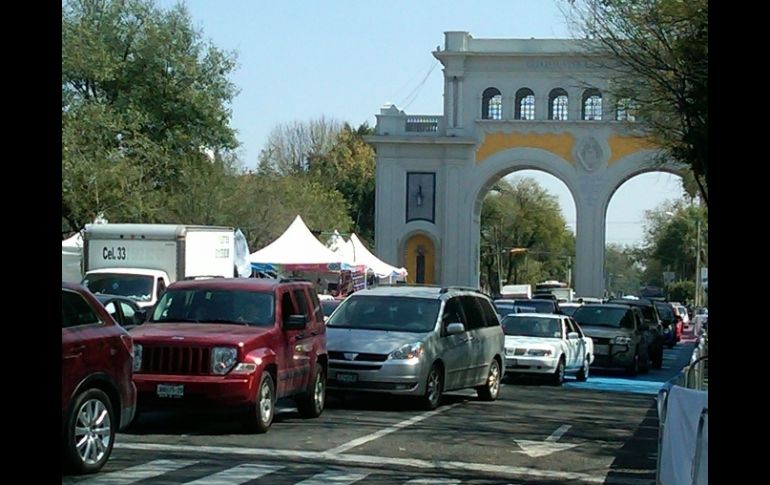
{"points": [[665, 312], [390, 313], [215, 306], [529, 326], [603, 316], [136, 287]]}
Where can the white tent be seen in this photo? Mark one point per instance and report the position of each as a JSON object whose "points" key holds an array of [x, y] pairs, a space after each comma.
{"points": [[354, 250], [298, 250], [380, 268], [71, 258]]}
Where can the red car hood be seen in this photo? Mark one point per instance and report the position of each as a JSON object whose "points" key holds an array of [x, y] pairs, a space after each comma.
{"points": [[196, 333]]}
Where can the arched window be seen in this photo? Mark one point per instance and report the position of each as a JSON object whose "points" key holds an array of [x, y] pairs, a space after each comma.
{"points": [[525, 104], [626, 110], [592, 105], [492, 104], [558, 103]]}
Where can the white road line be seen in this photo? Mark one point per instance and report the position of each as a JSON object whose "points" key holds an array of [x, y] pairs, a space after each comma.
{"points": [[340, 477], [369, 460], [238, 474], [386, 431], [559, 432], [141, 472], [438, 481]]}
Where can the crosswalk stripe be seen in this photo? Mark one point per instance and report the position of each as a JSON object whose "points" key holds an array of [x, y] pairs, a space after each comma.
{"points": [[338, 477], [238, 474], [141, 472]]}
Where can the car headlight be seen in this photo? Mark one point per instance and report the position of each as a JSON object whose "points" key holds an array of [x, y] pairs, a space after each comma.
{"points": [[408, 351], [222, 360], [137, 357], [509, 351], [622, 340], [539, 352]]}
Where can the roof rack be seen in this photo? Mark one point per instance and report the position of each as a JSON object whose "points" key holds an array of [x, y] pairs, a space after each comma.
{"points": [[202, 277]]}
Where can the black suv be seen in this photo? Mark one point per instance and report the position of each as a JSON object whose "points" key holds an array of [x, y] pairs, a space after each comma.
{"points": [[654, 326]]}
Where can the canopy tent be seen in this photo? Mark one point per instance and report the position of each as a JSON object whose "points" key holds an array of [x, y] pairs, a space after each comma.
{"points": [[380, 268], [298, 250], [354, 250]]}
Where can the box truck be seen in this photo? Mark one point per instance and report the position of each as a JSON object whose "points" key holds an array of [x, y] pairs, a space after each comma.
{"points": [[140, 260]]}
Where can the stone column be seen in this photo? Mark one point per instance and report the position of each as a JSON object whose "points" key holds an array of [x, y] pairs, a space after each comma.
{"points": [[591, 210]]}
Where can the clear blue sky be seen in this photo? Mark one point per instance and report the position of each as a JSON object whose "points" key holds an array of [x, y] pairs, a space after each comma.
{"points": [[343, 59]]}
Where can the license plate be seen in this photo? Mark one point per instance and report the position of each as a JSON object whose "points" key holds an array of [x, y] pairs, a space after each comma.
{"points": [[347, 377], [170, 390], [602, 349], [512, 361]]}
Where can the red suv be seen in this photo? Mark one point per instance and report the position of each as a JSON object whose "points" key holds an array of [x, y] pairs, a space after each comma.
{"points": [[234, 343], [98, 396]]}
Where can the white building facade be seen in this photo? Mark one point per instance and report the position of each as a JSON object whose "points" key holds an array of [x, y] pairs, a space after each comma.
{"points": [[509, 104]]}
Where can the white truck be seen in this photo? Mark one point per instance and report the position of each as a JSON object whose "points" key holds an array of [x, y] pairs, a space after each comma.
{"points": [[140, 260], [514, 292]]}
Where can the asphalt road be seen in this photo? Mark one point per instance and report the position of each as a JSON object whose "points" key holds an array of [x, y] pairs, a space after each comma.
{"points": [[600, 431]]}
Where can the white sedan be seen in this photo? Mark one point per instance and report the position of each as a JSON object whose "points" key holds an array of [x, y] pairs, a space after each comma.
{"points": [[548, 344]]}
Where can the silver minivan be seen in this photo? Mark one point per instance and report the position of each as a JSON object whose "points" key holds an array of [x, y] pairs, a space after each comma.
{"points": [[416, 341]]}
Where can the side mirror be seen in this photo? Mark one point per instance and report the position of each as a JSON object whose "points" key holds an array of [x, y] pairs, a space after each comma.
{"points": [[455, 328], [295, 322], [572, 335]]}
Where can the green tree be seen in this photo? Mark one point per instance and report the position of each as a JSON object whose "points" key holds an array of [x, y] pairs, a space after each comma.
{"points": [[681, 291], [263, 206], [521, 214], [143, 99], [658, 52], [349, 167], [624, 274]]}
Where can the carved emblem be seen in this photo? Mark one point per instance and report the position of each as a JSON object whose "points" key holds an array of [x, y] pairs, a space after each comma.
{"points": [[589, 154]]}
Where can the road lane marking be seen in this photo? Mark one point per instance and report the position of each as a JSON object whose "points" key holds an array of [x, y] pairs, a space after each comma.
{"points": [[375, 461], [340, 477], [237, 475], [386, 431], [141, 472], [438, 481]]}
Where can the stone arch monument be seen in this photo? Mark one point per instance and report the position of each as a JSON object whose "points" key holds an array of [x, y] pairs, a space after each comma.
{"points": [[509, 104]]}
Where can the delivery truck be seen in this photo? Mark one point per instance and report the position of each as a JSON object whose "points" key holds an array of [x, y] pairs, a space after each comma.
{"points": [[140, 260]]}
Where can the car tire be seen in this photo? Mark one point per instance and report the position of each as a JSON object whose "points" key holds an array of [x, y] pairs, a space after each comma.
{"points": [[434, 386], [582, 374], [261, 417], [311, 404], [491, 388], [91, 413], [557, 378]]}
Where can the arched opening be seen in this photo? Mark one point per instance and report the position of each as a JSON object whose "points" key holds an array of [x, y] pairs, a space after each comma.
{"points": [[641, 207], [420, 259], [592, 105], [526, 220], [558, 105], [492, 104], [525, 104]]}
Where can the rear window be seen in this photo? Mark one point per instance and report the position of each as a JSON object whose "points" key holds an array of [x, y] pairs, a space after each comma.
{"points": [[75, 310], [603, 316], [540, 306], [530, 326]]}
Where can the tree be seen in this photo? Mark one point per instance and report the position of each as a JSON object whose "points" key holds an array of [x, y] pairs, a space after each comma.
{"points": [[623, 272], [144, 100], [349, 167], [290, 146], [521, 214], [263, 206], [658, 52]]}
